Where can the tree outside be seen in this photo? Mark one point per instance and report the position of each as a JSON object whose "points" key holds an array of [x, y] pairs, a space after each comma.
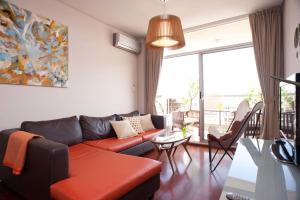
{"points": [[192, 93], [253, 96], [287, 100]]}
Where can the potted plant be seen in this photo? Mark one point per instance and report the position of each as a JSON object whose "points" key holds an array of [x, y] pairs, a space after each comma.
{"points": [[184, 129]]}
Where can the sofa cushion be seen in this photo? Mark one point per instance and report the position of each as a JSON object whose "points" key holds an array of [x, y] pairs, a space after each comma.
{"points": [[115, 144], [131, 114], [97, 127], [98, 174], [135, 122], [64, 130], [147, 135], [123, 129], [146, 122]]}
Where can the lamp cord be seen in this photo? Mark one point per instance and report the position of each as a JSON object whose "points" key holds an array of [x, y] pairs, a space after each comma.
{"points": [[164, 6]]}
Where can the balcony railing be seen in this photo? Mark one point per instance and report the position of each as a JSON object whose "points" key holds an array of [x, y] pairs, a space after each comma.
{"points": [[287, 123], [222, 119]]}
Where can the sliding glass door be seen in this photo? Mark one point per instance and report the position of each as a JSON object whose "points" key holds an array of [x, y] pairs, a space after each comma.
{"points": [[203, 90], [178, 93], [228, 78]]}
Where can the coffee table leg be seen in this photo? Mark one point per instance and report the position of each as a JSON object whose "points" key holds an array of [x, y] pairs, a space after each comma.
{"points": [[174, 150], [159, 154], [169, 151], [185, 148], [158, 151]]}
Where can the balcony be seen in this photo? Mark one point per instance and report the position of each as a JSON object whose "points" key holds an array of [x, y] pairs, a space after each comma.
{"points": [[216, 121]]}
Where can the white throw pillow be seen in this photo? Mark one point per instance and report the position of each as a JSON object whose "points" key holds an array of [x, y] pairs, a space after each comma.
{"points": [[123, 129], [135, 122], [146, 122]]}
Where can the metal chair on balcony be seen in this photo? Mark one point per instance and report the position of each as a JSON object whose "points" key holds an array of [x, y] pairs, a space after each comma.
{"points": [[235, 131], [177, 119]]}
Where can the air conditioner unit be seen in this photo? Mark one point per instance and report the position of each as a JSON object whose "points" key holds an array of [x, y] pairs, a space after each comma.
{"points": [[126, 43]]}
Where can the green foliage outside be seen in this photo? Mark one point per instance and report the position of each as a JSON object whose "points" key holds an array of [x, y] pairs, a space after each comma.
{"points": [[287, 100], [192, 93], [254, 96]]}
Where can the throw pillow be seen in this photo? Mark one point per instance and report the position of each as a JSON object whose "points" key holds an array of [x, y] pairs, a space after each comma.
{"points": [[146, 122], [94, 128], [123, 129], [135, 122]]}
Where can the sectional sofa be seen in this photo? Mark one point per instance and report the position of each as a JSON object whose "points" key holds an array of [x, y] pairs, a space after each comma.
{"points": [[84, 160]]}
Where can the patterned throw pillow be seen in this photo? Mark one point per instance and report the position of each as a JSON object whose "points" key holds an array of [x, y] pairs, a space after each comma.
{"points": [[135, 122], [123, 129]]}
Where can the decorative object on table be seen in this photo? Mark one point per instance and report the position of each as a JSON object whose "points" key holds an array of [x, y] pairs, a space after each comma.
{"points": [[165, 31], [184, 129], [33, 50]]}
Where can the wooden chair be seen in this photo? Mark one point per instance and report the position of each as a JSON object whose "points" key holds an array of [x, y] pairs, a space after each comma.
{"points": [[235, 131]]}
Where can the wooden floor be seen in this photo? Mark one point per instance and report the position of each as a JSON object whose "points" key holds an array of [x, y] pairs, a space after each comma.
{"points": [[192, 180]]}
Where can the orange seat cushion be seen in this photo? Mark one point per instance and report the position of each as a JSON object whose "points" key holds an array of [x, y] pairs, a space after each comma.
{"points": [[150, 134], [97, 174], [115, 144]]}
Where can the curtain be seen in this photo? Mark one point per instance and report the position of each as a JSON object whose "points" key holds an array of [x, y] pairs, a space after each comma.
{"points": [[154, 59], [266, 27]]}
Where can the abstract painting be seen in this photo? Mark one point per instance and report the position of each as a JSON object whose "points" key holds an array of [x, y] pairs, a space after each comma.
{"points": [[33, 49]]}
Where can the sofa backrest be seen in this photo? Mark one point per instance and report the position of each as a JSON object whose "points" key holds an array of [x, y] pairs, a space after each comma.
{"points": [[94, 128], [64, 130], [131, 114]]}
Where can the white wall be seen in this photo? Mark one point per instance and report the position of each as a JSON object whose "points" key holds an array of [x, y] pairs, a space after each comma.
{"points": [[102, 79], [290, 21]]}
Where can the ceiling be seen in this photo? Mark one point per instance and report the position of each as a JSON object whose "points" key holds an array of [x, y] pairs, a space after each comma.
{"points": [[132, 16]]}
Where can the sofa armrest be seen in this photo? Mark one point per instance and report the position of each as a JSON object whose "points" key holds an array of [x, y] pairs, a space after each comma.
{"points": [[159, 121], [46, 162]]}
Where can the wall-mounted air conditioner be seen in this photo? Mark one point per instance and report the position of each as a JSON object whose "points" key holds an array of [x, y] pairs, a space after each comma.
{"points": [[126, 43]]}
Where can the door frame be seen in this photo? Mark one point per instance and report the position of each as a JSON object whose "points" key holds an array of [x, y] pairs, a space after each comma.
{"points": [[201, 78]]}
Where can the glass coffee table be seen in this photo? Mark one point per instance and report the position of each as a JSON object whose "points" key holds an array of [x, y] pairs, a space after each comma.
{"points": [[169, 142]]}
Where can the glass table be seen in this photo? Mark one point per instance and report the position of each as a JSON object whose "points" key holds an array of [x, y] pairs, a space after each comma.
{"points": [[169, 142], [256, 174]]}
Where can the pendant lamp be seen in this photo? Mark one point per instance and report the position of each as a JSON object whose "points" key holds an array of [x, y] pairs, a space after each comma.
{"points": [[165, 31]]}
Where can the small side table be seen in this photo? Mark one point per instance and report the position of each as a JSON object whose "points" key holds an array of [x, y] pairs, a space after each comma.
{"points": [[169, 142]]}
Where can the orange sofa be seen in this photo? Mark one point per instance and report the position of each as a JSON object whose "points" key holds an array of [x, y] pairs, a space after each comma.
{"points": [[66, 166], [100, 174]]}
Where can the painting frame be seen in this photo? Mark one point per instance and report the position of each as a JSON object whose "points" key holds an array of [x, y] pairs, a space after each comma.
{"points": [[34, 50]]}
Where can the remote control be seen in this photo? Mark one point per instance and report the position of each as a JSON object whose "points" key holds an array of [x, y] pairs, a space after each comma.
{"points": [[236, 196]]}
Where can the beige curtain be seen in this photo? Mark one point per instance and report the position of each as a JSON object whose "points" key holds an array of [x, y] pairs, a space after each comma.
{"points": [[153, 66], [267, 36]]}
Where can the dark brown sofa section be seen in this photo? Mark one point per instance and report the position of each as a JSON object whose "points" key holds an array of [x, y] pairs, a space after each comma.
{"points": [[66, 130], [48, 160]]}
